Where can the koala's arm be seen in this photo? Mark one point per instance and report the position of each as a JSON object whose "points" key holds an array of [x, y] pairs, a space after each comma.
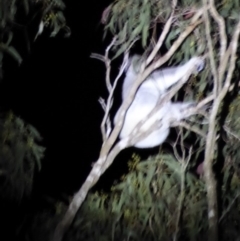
{"points": [[169, 76], [163, 78]]}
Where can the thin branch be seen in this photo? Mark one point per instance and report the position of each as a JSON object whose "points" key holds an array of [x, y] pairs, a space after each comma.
{"points": [[107, 124], [229, 208], [182, 192], [211, 139], [182, 145], [175, 151], [163, 35], [110, 97], [191, 128], [224, 56], [205, 101], [222, 30], [97, 56], [102, 103], [227, 129], [108, 64], [210, 48]]}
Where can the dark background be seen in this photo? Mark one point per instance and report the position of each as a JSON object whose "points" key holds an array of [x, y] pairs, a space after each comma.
{"points": [[56, 89]]}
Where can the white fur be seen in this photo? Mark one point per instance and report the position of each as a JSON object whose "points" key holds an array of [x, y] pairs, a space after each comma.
{"points": [[147, 97]]}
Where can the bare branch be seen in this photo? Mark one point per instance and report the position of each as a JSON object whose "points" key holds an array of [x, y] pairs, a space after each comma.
{"points": [[205, 101], [182, 145], [224, 56], [211, 138], [107, 62], [227, 129], [184, 165], [191, 128], [106, 127], [106, 119], [97, 56], [229, 207], [110, 98], [163, 35], [108, 65], [102, 103], [222, 30], [210, 48], [175, 151]]}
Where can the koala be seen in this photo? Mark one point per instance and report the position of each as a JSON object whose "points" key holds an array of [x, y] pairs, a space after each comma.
{"points": [[147, 97]]}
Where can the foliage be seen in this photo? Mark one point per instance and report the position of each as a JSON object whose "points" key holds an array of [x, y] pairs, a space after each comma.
{"points": [[134, 19], [138, 19], [20, 156], [145, 205], [14, 16]]}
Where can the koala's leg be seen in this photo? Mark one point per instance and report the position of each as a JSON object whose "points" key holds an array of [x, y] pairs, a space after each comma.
{"points": [[179, 111]]}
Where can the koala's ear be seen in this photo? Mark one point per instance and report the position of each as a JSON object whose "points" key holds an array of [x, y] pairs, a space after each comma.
{"points": [[134, 63]]}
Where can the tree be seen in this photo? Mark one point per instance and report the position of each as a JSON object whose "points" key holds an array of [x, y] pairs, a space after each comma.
{"points": [[187, 29]]}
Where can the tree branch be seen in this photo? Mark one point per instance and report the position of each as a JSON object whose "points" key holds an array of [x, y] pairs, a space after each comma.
{"points": [[222, 30], [163, 35], [211, 139], [184, 164]]}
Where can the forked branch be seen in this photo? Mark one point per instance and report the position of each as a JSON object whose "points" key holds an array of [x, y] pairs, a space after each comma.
{"points": [[226, 56]]}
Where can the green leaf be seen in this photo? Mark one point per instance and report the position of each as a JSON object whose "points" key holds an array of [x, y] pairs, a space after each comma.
{"points": [[145, 35], [171, 36], [26, 6], [173, 165], [10, 36], [13, 52]]}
